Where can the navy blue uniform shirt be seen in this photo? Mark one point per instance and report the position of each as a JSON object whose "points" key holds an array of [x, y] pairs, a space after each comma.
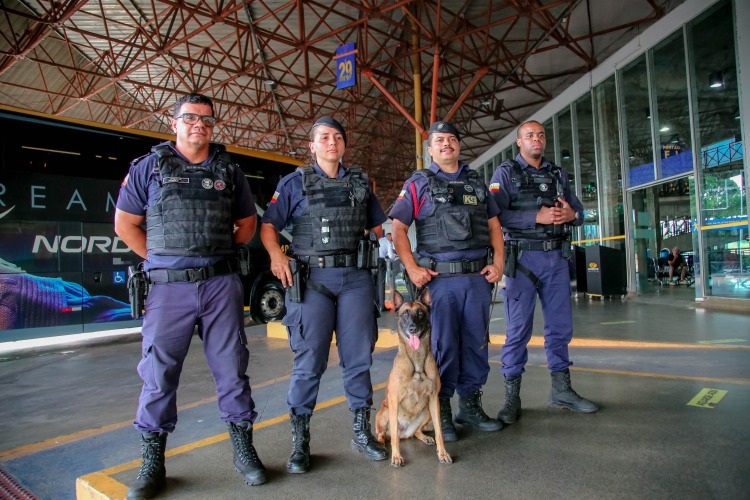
{"points": [[415, 188], [288, 201], [504, 191], [140, 190]]}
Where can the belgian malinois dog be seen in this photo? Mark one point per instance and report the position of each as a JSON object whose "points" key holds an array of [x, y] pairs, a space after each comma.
{"points": [[411, 397]]}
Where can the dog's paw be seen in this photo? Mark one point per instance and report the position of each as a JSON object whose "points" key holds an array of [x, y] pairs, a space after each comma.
{"points": [[398, 461], [445, 458], [428, 440]]}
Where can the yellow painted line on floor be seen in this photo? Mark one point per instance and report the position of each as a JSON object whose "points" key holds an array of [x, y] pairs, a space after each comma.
{"points": [[741, 381], [48, 444], [708, 398], [538, 341], [101, 485], [723, 341]]}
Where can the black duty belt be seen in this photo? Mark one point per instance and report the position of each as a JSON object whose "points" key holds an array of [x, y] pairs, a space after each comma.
{"points": [[343, 260], [546, 245], [191, 275], [454, 266]]}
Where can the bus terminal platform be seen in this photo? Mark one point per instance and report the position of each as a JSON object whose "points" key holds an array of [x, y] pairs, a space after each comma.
{"points": [[672, 381]]}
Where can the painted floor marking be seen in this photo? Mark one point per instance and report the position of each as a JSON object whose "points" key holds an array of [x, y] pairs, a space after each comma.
{"points": [[708, 398], [723, 341], [618, 322], [101, 484]]}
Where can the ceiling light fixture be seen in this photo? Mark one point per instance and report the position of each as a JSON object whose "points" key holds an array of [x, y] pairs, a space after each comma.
{"points": [[269, 82], [716, 80], [664, 129]]}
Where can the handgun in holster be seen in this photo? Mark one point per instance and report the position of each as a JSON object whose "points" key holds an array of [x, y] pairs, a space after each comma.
{"points": [[137, 290], [244, 265], [296, 290], [511, 257]]}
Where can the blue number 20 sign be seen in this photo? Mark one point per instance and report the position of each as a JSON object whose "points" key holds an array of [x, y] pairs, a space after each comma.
{"points": [[345, 66]]}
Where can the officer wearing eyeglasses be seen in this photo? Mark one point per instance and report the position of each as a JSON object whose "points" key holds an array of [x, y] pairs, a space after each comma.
{"points": [[197, 206]]}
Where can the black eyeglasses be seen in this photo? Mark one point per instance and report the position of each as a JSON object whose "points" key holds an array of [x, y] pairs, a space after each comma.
{"points": [[192, 119]]}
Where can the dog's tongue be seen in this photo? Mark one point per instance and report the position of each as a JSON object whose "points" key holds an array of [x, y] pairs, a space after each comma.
{"points": [[414, 342]]}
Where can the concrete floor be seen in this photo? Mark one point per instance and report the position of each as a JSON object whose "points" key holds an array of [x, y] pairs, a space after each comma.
{"points": [[66, 414]]}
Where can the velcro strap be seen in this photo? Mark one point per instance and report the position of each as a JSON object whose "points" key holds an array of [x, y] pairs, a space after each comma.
{"points": [[342, 260], [453, 267], [546, 245], [191, 275]]}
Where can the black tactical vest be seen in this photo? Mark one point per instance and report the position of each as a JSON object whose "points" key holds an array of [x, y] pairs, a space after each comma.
{"points": [[536, 188], [336, 214], [193, 215], [458, 218]]}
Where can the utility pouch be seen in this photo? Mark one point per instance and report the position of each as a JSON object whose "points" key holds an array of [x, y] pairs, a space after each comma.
{"points": [[511, 256], [137, 290], [299, 279], [565, 250], [243, 260], [367, 254]]}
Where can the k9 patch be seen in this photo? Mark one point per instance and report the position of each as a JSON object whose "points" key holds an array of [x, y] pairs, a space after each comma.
{"points": [[470, 199]]}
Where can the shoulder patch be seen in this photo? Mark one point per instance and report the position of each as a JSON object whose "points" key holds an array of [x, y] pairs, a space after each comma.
{"points": [[494, 187]]}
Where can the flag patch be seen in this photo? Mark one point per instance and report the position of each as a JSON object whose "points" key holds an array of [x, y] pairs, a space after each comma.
{"points": [[125, 181], [275, 197], [494, 187], [401, 194]]}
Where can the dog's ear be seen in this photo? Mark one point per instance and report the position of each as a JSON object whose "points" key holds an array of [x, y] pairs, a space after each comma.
{"points": [[425, 297], [398, 299]]}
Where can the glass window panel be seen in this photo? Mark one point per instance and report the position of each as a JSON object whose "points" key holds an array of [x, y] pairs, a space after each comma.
{"points": [[565, 143], [726, 257], [612, 217], [636, 114], [549, 132], [587, 161], [673, 124], [508, 153]]}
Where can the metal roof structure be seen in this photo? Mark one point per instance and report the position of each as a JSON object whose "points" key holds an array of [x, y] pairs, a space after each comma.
{"points": [[270, 66]]}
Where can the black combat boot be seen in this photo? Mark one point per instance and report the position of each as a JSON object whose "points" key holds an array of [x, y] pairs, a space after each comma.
{"points": [[153, 475], [363, 439], [446, 421], [510, 412], [470, 413], [562, 395], [299, 462], [246, 459]]}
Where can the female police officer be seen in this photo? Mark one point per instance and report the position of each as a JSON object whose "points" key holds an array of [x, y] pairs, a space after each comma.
{"points": [[330, 208]]}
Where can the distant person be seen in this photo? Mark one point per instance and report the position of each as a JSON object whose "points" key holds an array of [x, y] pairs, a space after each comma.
{"points": [[387, 255], [196, 205], [677, 264], [537, 208]]}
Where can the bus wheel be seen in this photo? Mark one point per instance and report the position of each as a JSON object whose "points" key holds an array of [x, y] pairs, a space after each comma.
{"points": [[269, 302]]}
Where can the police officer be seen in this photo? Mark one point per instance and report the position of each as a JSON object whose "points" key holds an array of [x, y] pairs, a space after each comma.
{"points": [[196, 205], [330, 208], [456, 223], [537, 208]]}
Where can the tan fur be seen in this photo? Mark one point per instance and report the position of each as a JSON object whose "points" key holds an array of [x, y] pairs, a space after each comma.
{"points": [[411, 397]]}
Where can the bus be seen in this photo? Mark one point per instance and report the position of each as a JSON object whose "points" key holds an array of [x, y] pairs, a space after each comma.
{"points": [[62, 268]]}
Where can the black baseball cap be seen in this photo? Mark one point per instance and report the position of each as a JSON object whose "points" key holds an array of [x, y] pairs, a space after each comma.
{"points": [[330, 122], [443, 128]]}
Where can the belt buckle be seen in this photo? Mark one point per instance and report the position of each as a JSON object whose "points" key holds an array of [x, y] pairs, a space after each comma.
{"points": [[465, 267], [339, 260], [547, 245], [195, 274]]}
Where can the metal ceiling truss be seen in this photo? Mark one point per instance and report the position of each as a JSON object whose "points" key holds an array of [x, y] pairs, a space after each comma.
{"points": [[484, 65]]}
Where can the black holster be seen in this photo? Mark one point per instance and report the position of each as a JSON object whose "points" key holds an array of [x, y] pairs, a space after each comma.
{"points": [[244, 265], [299, 280], [511, 258], [137, 290], [368, 253]]}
